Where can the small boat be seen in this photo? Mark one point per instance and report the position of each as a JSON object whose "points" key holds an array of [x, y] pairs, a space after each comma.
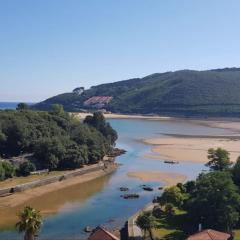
{"points": [[124, 189], [130, 196], [160, 188], [147, 188], [171, 162]]}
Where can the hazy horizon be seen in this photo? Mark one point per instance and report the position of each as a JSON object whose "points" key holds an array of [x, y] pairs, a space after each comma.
{"points": [[51, 47]]}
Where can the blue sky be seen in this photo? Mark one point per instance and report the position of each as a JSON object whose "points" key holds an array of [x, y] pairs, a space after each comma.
{"points": [[52, 46]]}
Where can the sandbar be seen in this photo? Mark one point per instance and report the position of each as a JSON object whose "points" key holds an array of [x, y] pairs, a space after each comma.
{"points": [[169, 178], [191, 148]]}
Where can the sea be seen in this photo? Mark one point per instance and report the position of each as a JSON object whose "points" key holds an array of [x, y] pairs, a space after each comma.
{"points": [[10, 105]]}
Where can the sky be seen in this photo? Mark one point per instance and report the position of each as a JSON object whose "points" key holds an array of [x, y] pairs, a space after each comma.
{"points": [[49, 47]]}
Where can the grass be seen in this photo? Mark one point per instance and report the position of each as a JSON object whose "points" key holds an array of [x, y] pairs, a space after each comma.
{"points": [[10, 182], [237, 234], [170, 228], [173, 228]]}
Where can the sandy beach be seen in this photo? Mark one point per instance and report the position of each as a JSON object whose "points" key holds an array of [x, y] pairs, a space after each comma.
{"points": [[169, 178], [189, 148], [123, 116]]}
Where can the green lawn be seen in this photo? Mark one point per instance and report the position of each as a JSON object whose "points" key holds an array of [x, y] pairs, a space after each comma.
{"points": [[171, 228]]}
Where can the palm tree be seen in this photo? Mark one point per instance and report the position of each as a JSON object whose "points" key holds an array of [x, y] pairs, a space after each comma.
{"points": [[146, 221], [30, 222]]}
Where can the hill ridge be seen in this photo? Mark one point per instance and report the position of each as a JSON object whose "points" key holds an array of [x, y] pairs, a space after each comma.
{"points": [[184, 92]]}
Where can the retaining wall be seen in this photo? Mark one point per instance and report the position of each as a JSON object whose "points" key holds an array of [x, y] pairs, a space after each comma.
{"points": [[134, 232], [49, 180]]}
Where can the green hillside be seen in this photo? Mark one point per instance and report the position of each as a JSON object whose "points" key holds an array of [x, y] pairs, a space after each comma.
{"points": [[186, 92]]}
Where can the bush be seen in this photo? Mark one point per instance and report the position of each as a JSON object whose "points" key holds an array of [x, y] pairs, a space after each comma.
{"points": [[25, 169], [2, 172], [9, 169]]}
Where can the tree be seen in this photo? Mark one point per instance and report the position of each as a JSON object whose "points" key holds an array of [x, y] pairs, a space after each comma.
{"points": [[2, 172], [58, 109], [25, 169], [49, 152], [172, 195], [236, 172], [30, 222], [22, 106], [219, 159], [169, 210], [9, 169], [146, 221], [98, 121], [215, 202]]}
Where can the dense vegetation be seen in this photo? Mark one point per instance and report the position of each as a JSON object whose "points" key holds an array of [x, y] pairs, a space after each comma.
{"points": [[186, 92], [52, 140], [212, 200]]}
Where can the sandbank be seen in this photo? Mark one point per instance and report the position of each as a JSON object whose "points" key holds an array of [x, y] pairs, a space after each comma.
{"points": [[169, 178], [191, 148]]}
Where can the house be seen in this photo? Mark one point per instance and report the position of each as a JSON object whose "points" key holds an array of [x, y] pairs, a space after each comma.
{"points": [[210, 234], [102, 234], [97, 101]]}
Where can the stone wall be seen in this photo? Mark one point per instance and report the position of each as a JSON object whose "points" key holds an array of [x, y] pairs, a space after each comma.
{"points": [[49, 180]]}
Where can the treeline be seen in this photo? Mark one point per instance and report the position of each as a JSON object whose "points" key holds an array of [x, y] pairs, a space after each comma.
{"points": [[54, 139], [212, 200]]}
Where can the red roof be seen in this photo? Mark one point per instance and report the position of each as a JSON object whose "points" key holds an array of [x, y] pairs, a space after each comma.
{"points": [[209, 234], [102, 234], [98, 99]]}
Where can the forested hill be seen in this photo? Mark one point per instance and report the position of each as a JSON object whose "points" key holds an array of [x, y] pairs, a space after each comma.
{"points": [[186, 92], [53, 140]]}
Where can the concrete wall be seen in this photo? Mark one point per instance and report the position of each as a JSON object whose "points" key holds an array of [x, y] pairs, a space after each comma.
{"points": [[134, 232], [49, 180]]}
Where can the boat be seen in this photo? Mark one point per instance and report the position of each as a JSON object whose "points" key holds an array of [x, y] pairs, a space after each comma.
{"points": [[124, 189], [147, 188], [171, 162], [130, 196]]}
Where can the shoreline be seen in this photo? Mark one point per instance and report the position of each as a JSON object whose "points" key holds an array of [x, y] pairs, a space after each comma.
{"points": [[10, 205], [187, 148], [231, 123], [169, 178]]}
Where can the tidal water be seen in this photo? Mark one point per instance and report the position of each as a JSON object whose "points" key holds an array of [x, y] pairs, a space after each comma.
{"points": [[98, 202]]}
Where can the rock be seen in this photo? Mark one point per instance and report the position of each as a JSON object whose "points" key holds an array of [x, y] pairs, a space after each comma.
{"points": [[88, 229], [130, 196]]}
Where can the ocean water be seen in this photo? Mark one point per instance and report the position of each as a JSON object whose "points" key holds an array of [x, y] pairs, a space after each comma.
{"points": [[98, 202], [10, 105]]}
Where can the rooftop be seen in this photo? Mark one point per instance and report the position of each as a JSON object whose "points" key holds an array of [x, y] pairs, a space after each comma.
{"points": [[102, 234], [210, 234]]}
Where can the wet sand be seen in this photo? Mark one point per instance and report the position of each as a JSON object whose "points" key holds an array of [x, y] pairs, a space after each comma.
{"points": [[169, 178], [191, 148]]}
